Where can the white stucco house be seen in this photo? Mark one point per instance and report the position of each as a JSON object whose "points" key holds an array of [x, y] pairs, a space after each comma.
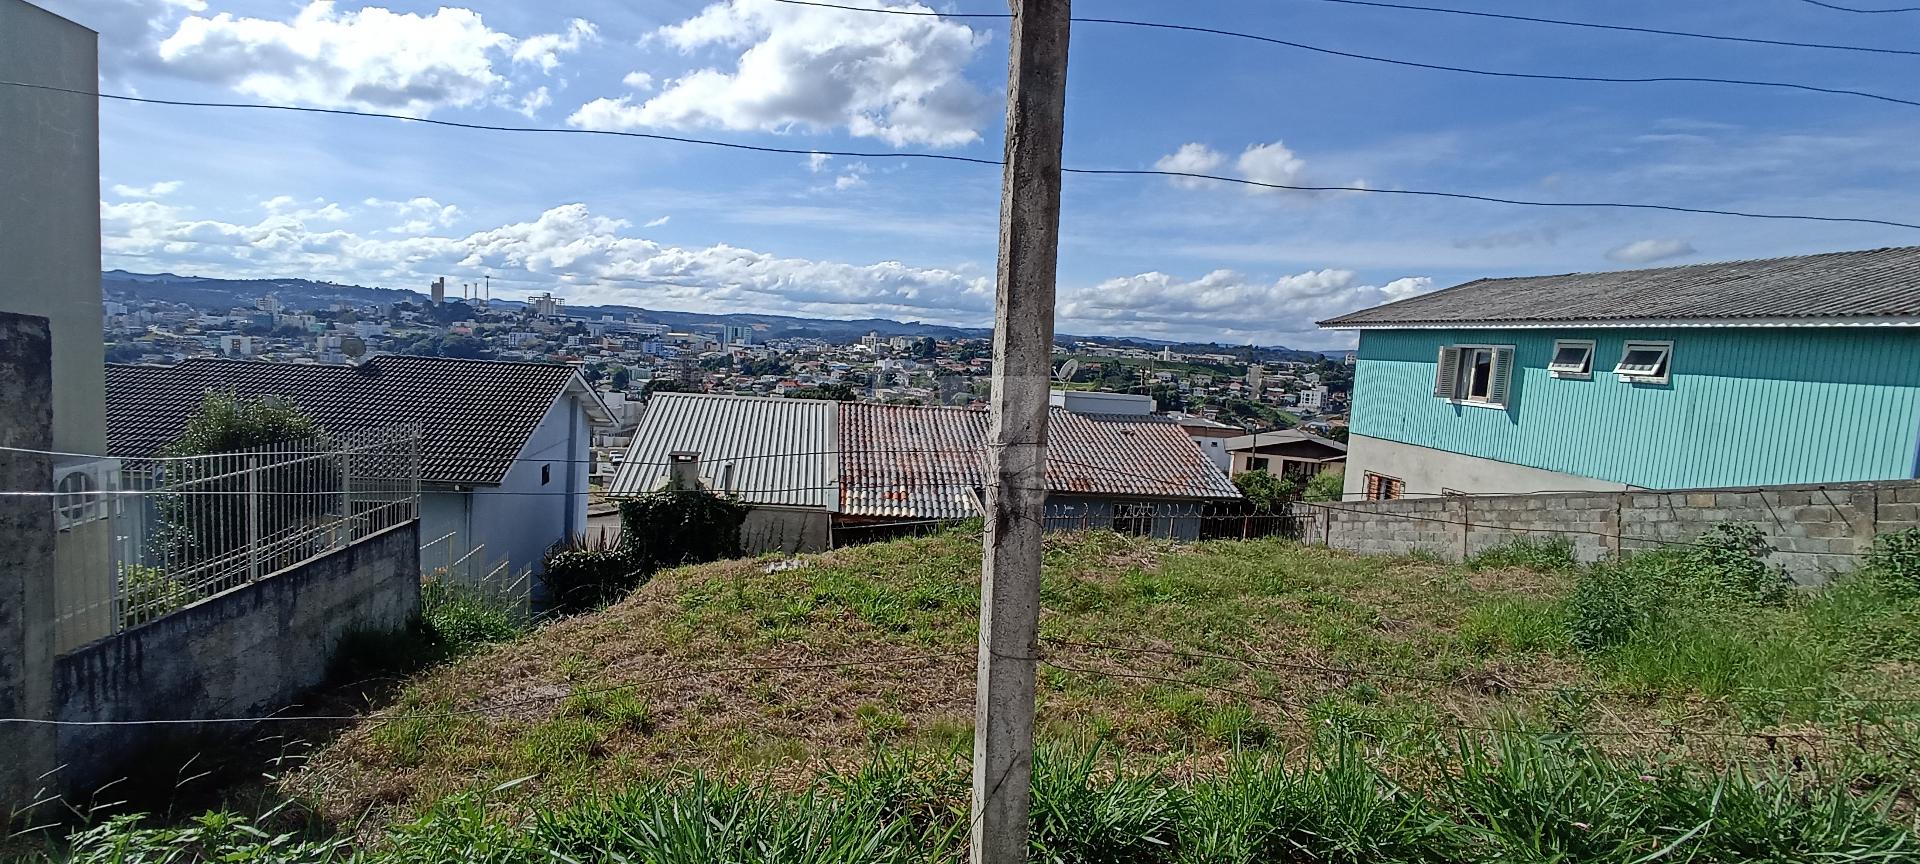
{"points": [[503, 453]]}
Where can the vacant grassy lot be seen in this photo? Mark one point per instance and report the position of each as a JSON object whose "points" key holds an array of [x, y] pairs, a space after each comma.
{"points": [[1177, 660]]}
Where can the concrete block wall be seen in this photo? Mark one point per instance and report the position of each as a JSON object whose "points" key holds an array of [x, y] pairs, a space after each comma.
{"points": [[248, 652], [1816, 531]]}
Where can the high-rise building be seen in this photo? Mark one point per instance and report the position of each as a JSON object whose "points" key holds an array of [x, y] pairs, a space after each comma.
{"points": [[733, 336], [439, 290], [546, 305]]}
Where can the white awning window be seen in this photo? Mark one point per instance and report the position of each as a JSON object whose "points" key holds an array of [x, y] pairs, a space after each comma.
{"points": [[1645, 362]]}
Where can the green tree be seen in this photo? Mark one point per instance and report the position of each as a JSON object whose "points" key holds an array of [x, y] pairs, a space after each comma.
{"points": [[666, 385], [1327, 485], [621, 378], [926, 348], [1266, 492], [592, 372], [219, 505], [830, 392]]}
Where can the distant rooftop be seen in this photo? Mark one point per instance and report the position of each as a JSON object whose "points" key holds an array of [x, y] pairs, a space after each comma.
{"points": [[1875, 286], [475, 415]]}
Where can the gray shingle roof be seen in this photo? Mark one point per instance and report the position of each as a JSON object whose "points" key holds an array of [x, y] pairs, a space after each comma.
{"points": [[1876, 283], [474, 415]]}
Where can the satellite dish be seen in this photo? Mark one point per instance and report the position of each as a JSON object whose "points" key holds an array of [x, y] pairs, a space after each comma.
{"points": [[353, 346], [1068, 369]]}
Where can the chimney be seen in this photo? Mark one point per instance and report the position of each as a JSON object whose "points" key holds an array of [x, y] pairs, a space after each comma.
{"points": [[683, 471]]}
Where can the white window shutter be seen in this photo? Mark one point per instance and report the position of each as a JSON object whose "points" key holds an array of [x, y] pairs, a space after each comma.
{"points": [[1502, 373], [1446, 372]]}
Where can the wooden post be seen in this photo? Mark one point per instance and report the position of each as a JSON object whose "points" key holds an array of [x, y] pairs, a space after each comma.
{"points": [[1017, 431]]}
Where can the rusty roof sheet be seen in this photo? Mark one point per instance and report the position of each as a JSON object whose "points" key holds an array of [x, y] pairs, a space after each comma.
{"points": [[904, 461]]}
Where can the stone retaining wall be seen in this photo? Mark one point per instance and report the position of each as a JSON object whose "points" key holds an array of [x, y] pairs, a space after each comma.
{"points": [[1816, 530]]}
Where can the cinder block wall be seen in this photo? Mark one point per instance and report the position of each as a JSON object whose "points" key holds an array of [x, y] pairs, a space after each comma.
{"points": [[1816, 531], [248, 652]]}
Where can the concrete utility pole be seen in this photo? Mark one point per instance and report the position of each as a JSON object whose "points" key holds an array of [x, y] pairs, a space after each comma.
{"points": [[1017, 435]]}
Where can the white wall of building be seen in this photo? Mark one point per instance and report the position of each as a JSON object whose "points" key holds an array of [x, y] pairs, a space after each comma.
{"points": [[532, 508], [1095, 402], [1426, 472]]}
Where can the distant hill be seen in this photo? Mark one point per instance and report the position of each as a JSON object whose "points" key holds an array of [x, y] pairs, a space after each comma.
{"points": [[222, 294]]}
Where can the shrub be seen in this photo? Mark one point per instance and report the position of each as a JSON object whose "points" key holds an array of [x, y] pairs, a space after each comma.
{"points": [[1731, 561], [1895, 561], [147, 593], [1615, 598], [1328, 485], [1552, 554], [581, 576], [1266, 492], [1725, 569], [679, 526], [453, 621], [460, 620]]}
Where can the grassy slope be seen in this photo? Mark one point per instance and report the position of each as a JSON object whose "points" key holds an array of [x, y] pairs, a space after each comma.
{"points": [[1479, 632]]}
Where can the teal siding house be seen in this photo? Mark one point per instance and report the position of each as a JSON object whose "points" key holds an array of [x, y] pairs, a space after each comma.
{"points": [[1784, 371]]}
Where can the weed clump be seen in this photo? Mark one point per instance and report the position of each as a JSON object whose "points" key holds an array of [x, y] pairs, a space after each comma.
{"points": [[1553, 555]]}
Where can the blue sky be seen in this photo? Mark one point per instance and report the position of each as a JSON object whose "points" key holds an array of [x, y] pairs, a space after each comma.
{"points": [[675, 226]]}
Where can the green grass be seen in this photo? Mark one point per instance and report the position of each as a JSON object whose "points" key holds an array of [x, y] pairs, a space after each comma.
{"points": [[1173, 657], [1519, 799]]}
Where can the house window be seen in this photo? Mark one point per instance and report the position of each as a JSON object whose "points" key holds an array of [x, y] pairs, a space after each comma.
{"points": [[1380, 487], [1572, 358], [546, 474], [1645, 362], [1474, 374], [1256, 463]]}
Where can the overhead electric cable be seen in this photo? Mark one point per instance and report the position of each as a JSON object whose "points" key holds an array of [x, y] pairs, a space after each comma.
{"points": [[678, 139]]}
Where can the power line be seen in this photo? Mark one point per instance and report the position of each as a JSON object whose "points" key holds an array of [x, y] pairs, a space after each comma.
{"points": [[1435, 67], [499, 706], [1860, 11], [1458, 196], [1720, 37]]}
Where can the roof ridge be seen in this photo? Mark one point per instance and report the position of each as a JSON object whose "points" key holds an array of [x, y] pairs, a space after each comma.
{"points": [[1727, 263]]}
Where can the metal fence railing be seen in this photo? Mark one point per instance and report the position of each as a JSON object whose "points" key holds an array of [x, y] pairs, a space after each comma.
{"points": [[190, 527], [447, 563], [1171, 520]]}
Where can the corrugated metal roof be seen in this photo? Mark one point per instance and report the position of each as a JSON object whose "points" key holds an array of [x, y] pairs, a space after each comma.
{"points": [[1281, 436], [1875, 283], [905, 461], [781, 451]]}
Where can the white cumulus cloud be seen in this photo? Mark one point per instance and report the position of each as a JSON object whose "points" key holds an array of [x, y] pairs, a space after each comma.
{"points": [[898, 78], [1227, 306], [1274, 163], [369, 58], [1194, 158], [154, 190], [655, 223], [1649, 251], [593, 258]]}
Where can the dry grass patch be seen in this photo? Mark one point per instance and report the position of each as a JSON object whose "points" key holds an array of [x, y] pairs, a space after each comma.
{"points": [[745, 673]]}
